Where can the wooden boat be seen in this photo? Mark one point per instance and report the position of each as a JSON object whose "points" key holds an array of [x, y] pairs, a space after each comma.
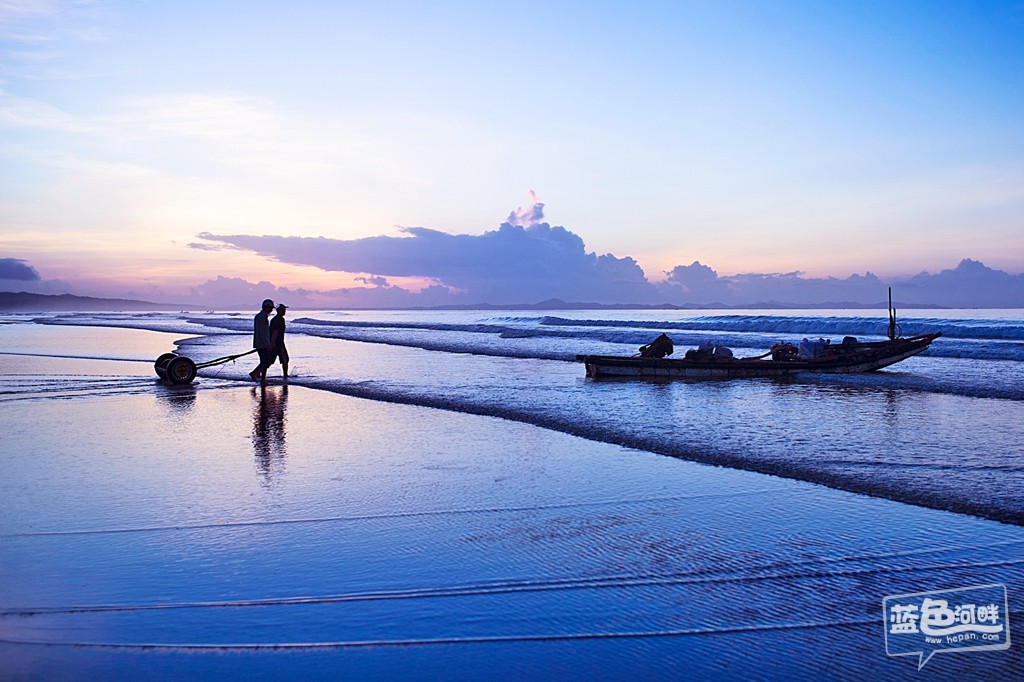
{"points": [[835, 359], [847, 357]]}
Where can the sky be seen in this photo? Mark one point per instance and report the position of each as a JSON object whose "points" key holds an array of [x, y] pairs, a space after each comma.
{"points": [[173, 150]]}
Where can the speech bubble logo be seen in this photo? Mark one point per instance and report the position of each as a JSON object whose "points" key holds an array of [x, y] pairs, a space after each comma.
{"points": [[923, 624]]}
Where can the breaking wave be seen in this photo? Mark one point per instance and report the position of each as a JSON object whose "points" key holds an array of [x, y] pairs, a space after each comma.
{"points": [[562, 338]]}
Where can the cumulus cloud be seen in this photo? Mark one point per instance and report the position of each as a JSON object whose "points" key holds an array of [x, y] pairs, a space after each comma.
{"points": [[199, 246], [375, 281], [699, 283], [531, 215], [18, 275], [17, 270], [237, 293], [969, 284], [525, 259]]}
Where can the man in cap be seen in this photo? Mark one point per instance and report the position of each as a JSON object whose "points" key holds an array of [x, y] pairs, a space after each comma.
{"points": [[261, 342]]}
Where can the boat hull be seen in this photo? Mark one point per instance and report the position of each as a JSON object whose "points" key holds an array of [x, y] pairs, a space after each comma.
{"points": [[866, 357]]}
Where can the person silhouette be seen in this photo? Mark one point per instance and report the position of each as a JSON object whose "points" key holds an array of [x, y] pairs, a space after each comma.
{"points": [[261, 342], [277, 327]]}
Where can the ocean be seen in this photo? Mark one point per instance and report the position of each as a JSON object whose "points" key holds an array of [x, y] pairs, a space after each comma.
{"points": [[944, 429], [445, 495]]}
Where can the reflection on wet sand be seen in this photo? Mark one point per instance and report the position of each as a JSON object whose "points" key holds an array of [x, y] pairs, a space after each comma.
{"points": [[269, 417], [180, 400]]}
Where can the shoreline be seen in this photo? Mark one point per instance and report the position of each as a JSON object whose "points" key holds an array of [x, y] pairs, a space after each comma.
{"points": [[320, 526], [156, 342]]}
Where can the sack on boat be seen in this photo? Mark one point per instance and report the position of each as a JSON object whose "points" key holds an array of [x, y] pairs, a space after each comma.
{"points": [[809, 350], [658, 348], [707, 351]]}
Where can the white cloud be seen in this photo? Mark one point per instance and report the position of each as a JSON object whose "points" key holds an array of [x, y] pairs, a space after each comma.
{"points": [[23, 112]]}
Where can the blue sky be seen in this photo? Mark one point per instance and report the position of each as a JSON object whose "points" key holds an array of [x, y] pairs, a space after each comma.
{"points": [[821, 137]]}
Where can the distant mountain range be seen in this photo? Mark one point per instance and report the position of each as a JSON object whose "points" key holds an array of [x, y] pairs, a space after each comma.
{"points": [[26, 302], [558, 304], [23, 302]]}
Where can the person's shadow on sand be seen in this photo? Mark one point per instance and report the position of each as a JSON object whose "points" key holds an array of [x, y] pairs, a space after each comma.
{"points": [[269, 418]]}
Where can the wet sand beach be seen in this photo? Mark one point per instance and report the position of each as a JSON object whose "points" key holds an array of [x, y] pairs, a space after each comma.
{"points": [[221, 531]]}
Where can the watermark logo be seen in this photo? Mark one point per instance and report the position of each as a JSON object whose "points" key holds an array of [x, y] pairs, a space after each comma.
{"points": [[928, 623]]}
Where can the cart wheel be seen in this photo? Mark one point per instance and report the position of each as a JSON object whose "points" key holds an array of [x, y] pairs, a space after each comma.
{"points": [[181, 370], [163, 359], [161, 364]]}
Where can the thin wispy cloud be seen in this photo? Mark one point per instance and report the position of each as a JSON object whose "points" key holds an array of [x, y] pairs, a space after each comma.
{"points": [[253, 137], [226, 118], [15, 12], [24, 112], [38, 38]]}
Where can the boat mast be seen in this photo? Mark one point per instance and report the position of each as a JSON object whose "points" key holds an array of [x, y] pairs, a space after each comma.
{"points": [[892, 318]]}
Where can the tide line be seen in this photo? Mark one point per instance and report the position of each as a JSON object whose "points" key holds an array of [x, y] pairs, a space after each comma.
{"points": [[490, 639], [515, 586], [371, 517]]}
